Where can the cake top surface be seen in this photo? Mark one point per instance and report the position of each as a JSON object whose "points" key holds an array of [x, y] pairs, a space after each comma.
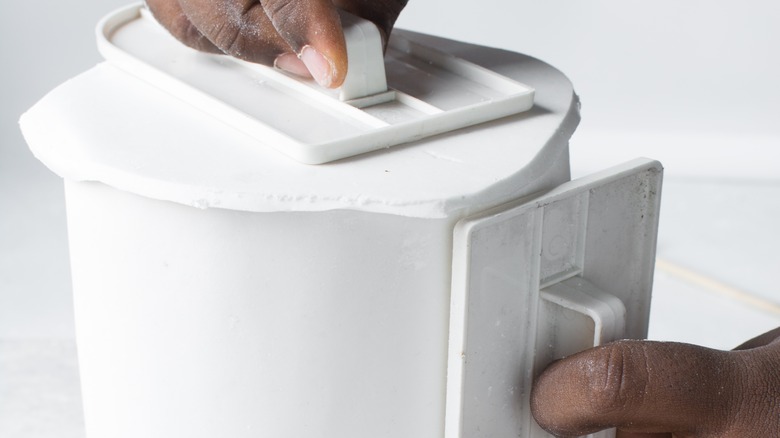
{"points": [[106, 125]]}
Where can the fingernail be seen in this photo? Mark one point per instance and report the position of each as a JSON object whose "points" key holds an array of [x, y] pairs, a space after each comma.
{"points": [[289, 62], [320, 67]]}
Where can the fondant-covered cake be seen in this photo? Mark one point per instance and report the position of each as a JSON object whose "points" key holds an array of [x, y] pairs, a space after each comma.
{"points": [[225, 289]]}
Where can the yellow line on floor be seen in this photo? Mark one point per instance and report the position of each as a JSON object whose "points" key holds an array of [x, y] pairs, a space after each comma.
{"points": [[716, 286]]}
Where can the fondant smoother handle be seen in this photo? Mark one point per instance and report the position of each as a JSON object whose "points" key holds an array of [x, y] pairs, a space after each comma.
{"points": [[365, 56]]}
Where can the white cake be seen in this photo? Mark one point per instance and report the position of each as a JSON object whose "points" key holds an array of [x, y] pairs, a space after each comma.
{"points": [[223, 289]]}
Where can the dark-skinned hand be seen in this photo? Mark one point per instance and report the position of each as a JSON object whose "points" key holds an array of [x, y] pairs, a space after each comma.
{"points": [[301, 36], [659, 389]]}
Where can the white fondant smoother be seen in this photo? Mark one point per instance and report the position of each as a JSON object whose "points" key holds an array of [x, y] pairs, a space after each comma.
{"points": [[105, 125]]}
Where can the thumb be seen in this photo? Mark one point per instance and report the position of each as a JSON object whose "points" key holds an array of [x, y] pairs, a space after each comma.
{"points": [[640, 386], [313, 30]]}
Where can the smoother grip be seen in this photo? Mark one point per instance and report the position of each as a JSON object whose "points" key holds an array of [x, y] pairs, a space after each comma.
{"points": [[366, 82], [576, 306], [575, 315]]}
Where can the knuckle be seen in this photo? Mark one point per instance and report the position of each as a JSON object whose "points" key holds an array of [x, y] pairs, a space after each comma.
{"points": [[241, 34], [228, 38], [616, 377], [188, 34], [279, 11]]}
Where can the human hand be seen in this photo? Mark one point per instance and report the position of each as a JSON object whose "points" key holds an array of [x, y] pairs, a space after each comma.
{"points": [[657, 389], [302, 37]]}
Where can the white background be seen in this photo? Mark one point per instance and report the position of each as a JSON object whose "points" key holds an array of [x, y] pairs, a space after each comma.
{"points": [[693, 83]]}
